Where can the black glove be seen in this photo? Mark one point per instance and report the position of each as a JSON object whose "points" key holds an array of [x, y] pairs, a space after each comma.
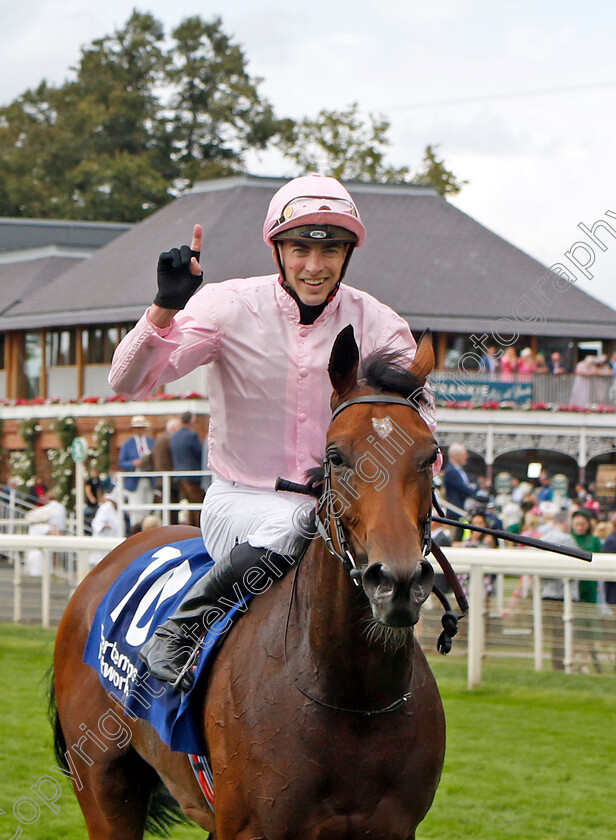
{"points": [[176, 283]]}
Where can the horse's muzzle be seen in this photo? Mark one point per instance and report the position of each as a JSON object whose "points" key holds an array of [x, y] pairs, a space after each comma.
{"points": [[397, 598]]}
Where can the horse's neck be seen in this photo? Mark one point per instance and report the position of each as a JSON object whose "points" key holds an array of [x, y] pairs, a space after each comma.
{"points": [[338, 658]]}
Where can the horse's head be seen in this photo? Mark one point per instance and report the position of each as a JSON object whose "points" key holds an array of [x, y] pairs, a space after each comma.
{"points": [[378, 467]]}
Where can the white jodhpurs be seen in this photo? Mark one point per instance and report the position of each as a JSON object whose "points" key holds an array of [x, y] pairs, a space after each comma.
{"points": [[234, 514]]}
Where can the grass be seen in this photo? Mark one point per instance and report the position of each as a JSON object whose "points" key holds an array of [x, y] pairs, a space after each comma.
{"points": [[528, 755]]}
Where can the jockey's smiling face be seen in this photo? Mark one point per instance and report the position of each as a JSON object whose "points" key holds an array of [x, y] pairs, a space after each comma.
{"points": [[312, 269]]}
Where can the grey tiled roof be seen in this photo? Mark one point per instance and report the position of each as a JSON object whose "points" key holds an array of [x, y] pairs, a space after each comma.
{"points": [[17, 234], [424, 257]]}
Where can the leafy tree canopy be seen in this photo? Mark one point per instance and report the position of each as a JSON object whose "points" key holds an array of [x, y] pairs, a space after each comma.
{"points": [[344, 144], [139, 122], [434, 173], [144, 118], [352, 147]]}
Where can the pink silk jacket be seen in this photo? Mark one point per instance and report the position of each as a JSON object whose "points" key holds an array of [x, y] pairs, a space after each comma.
{"points": [[268, 384]]}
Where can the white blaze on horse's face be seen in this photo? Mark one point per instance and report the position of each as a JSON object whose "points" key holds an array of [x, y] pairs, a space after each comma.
{"points": [[383, 427]]}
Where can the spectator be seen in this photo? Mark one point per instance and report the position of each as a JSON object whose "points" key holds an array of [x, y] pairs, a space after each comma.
{"points": [[186, 452], [545, 493], [526, 365], [140, 491], [162, 461], [602, 530], [151, 521], [602, 380], [106, 523], [508, 364], [541, 364], [555, 364], [521, 490], [548, 511], [582, 494], [92, 493], [553, 592], [489, 360], [485, 486], [161, 458], [458, 486], [511, 513], [477, 539], [587, 623], [531, 526], [581, 530], [609, 547], [38, 490], [49, 518], [580, 392]]}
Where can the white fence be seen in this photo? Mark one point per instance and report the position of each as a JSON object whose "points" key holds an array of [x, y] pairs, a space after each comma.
{"points": [[513, 563], [527, 627], [163, 505]]}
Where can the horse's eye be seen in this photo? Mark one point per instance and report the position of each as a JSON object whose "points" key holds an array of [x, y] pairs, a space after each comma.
{"points": [[429, 461], [335, 458]]}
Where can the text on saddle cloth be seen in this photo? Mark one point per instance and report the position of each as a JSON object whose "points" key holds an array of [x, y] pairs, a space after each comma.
{"points": [[142, 598]]}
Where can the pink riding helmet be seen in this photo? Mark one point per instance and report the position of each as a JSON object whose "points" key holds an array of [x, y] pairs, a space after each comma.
{"points": [[312, 200]]}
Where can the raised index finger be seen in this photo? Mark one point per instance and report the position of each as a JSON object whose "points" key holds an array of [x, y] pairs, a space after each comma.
{"points": [[196, 240]]}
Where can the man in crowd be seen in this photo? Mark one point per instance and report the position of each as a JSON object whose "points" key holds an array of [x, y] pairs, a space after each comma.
{"points": [[139, 490], [186, 453]]}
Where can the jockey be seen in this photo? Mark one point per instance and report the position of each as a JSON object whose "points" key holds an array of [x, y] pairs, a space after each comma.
{"points": [[267, 341]]}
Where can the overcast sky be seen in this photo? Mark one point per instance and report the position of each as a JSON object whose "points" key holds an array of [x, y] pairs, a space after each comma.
{"points": [[520, 96]]}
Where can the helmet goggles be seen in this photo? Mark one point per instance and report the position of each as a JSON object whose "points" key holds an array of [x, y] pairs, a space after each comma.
{"points": [[305, 204]]}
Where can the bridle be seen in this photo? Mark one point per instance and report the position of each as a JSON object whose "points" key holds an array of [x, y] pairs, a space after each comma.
{"points": [[333, 525], [343, 552]]}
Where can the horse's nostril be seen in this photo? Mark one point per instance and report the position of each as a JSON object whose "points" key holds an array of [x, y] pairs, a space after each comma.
{"points": [[422, 581], [378, 581]]}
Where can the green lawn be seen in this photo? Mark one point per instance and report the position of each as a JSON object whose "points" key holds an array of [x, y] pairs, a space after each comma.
{"points": [[529, 756]]}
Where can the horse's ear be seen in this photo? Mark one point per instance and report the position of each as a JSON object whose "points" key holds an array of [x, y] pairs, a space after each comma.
{"points": [[423, 363], [344, 361]]}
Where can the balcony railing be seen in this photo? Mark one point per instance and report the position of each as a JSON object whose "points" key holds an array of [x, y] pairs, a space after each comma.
{"points": [[523, 390]]}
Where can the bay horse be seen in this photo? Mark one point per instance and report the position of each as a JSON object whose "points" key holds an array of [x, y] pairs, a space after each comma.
{"points": [[321, 715]]}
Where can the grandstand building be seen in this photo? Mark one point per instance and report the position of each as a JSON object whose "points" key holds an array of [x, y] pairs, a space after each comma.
{"points": [[70, 290]]}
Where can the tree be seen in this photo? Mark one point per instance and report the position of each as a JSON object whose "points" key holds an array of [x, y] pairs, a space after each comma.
{"points": [[343, 144], [434, 173], [136, 125], [215, 113]]}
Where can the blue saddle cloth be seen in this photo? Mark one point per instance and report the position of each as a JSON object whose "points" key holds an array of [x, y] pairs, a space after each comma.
{"points": [[142, 598]]}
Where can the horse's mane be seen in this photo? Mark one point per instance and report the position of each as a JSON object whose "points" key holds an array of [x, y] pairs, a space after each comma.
{"points": [[385, 371]]}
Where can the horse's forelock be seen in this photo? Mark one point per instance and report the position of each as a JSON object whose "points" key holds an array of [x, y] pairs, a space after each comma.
{"points": [[387, 370]]}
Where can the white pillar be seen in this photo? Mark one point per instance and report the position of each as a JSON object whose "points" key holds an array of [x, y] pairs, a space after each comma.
{"points": [[568, 622], [475, 626], [46, 589], [537, 623]]}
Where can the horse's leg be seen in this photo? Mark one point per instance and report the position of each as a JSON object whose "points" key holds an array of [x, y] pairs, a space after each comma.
{"points": [[114, 798], [112, 783]]}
